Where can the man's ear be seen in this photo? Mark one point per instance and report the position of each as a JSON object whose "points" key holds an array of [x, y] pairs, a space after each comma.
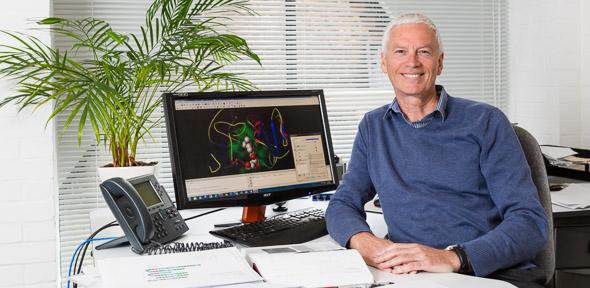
{"points": [[440, 63], [383, 65]]}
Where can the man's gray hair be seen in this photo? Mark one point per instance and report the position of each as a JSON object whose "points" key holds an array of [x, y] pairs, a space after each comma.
{"points": [[409, 18]]}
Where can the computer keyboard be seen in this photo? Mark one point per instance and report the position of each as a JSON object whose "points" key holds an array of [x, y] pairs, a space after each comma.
{"points": [[289, 228]]}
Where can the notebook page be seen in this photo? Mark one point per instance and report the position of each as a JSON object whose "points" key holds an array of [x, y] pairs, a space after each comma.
{"points": [[191, 269], [314, 269]]}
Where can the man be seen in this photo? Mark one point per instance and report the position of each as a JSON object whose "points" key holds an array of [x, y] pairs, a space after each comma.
{"points": [[449, 172]]}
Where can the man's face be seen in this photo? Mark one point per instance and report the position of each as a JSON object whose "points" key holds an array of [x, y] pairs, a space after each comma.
{"points": [[412, 60]]}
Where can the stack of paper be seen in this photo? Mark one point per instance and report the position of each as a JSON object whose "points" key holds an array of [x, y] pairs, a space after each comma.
{"points": [[190, 269], [556, 152], [313, 269], [574, 196]]}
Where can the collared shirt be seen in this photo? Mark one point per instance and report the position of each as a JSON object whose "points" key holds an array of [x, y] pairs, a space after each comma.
{"points": [[463, 180], [439, 110]]}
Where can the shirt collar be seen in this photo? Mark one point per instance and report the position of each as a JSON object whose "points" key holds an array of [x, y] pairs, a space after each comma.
{"points": [[441, 105]]}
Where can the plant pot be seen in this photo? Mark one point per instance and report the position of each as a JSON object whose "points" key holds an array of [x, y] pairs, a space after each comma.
{"points": [[105, 173]]}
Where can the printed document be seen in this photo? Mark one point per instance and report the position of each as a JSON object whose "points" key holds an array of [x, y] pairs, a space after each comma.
{"points": [[189, 269], [313, 269], [557, 152], [574, 196]]}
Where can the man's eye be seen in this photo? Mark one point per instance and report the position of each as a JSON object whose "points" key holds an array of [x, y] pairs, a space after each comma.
{"points": [[424, 52], [398, 51]]}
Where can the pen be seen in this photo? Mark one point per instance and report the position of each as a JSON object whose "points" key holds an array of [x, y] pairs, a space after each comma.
{"points": [[381, 284], [220, 225]]}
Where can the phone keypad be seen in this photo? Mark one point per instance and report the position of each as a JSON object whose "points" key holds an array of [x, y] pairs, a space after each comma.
{"points": [[171, 212], [160, 231], [164, 221]]}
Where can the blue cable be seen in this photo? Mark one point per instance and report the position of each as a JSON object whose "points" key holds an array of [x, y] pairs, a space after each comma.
{"points": [[78, 248]]}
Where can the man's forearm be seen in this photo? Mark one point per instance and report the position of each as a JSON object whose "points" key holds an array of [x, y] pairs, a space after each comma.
{"points": [[344, 221], [359, 240], [508, 244]]}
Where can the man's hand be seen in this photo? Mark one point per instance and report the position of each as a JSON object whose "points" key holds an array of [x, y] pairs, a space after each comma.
{"points": [[400, 258], [411, 258], [370, 247]]}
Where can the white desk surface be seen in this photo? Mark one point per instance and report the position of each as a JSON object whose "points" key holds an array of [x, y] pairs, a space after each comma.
{"points": [[199, 231], [560, 209]]}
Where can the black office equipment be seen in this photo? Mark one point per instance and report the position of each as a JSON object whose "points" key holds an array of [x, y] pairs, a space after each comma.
{"points": [[144, 211], [571, 226], [578, 165], [248, 149], [553, 187], [289, 228]]}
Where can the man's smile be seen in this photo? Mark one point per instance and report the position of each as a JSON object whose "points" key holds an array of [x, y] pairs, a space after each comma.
{"points": [[412, 75]]}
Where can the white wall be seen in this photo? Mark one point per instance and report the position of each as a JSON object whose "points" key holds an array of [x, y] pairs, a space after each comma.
{"points": [[28, 241], [549, 58]]}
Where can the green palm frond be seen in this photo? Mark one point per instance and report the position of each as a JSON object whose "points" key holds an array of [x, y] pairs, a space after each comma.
{"points": [[111, 81]]}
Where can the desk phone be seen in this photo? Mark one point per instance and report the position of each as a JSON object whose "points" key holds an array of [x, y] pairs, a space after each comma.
{"points": [[144, 211]]}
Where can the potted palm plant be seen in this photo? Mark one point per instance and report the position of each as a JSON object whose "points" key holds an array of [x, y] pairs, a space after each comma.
{"points": [[112, 82]]}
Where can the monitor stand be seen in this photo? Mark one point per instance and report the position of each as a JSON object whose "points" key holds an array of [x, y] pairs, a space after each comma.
{"points": [[253, 213], [280, 207], [250, 214]]}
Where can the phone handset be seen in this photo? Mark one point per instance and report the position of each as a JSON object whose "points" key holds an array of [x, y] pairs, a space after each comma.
{"points": [[144, 211], [131, 212]]}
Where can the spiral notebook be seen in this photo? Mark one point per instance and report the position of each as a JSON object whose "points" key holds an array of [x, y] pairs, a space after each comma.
{"points": [[179, 247]]}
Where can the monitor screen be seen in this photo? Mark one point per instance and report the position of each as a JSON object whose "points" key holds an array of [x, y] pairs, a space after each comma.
{"points": [[248, 148]]}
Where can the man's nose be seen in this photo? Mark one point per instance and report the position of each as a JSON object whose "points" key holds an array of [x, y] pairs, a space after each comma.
{"points": [[413, 59]]}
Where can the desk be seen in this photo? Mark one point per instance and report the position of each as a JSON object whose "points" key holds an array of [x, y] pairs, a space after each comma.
{"points": [[572, 244], [199, 231]]}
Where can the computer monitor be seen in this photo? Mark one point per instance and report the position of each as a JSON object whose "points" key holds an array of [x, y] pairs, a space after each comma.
{"points": [[248, 148]]}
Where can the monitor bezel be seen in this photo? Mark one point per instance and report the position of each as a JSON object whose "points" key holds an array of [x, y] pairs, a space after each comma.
{"points": [[254, 199]]}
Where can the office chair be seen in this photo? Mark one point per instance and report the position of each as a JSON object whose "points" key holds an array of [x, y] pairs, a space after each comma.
{"points": [[545, 260]]}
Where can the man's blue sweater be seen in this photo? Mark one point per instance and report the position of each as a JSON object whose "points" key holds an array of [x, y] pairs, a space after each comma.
{"points": [[461, 179]]}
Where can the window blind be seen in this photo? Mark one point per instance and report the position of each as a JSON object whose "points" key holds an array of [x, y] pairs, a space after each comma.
{"points": [[311, 44]]}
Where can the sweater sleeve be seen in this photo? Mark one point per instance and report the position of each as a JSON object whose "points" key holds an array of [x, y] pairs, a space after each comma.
{"points": [[345, 215], [522, 231]]}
